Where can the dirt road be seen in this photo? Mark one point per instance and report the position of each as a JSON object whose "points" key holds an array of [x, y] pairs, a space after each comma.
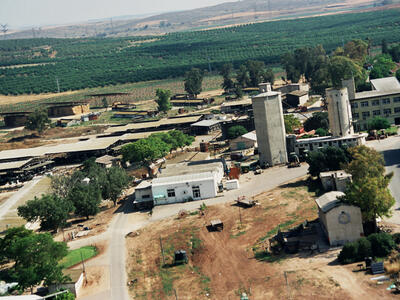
{"points": [[111, 263]]}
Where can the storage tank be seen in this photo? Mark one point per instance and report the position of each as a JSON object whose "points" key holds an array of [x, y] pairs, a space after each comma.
{"points": [[339, 111]]}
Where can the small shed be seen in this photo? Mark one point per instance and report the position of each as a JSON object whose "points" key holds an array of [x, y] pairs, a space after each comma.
{"points": [[143, 195], [335, 180], [108, 161], [341, 222], [246, 141], [15, 119], [206, 127], [297, 98]]}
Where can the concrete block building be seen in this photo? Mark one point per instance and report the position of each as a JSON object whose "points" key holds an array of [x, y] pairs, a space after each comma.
{"points": [[382, 101], [270, 126], [341, 223]]}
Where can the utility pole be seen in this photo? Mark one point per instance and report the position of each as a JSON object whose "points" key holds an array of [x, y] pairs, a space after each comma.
{"points": [[176, 296], [240, 217], [58, 85], [4, 29], [162, 251]]}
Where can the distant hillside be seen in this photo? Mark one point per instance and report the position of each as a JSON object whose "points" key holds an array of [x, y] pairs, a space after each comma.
{"points": [[225, 14]]}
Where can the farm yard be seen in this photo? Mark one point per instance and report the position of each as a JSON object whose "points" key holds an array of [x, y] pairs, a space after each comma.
{"points": [[223, 265], [94, 62]]}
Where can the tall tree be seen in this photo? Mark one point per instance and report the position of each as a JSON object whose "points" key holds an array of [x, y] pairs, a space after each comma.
{"points": [[378, 123], [317, 120], [243, 77], [86, 199], [382, 66], [327, 159], [356, 50], [227, 75], [256, 71], [38, 120], [369, 188], [341, 67], [117, 181], [35, 257], [194, 81], [51, 210], [163, 100], [384, 47]]}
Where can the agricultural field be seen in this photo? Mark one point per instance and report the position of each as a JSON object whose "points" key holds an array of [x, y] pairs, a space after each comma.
{"points": [[222, 265], [138, 91], [94, 62]]}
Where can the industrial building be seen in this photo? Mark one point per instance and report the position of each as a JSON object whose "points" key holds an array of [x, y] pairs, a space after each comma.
{"points": [[296, 98], [341, 223], [340, 125], [238, 106], [382, 101], [205, 127], [270, 127], [182, 182]]}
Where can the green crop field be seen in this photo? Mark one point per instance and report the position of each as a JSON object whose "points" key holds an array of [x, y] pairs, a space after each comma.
{"points": [[75, 256], [90, 62]]}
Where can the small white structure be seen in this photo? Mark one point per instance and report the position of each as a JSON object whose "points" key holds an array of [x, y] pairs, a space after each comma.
{"points": [[182, 182], [246, 141], [341, 222], [335, 180], [232, 184]]}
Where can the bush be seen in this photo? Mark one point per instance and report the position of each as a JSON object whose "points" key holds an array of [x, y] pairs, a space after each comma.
{"points": [[378, 123], [349, 253], [396, 238], [236, 131], [381, 244], [376, 245], [364, 249], [321, 132]]}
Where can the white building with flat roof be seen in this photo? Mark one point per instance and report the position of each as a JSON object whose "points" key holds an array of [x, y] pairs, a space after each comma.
{"points": [[188, 181]]}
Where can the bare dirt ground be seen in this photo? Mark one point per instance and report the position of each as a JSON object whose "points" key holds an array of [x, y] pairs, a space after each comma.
{"points": [[222, 265], [29, 98]]}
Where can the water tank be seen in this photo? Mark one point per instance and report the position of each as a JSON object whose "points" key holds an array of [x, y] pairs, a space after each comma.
{"points": [[339, 111]]}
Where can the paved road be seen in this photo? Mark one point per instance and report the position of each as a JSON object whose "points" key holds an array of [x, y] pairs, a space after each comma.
{"points": [[390, 148], [18, 195], [126, 221]]}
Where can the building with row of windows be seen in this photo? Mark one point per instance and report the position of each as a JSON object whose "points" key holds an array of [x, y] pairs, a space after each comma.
{"points": [[382, 101]]}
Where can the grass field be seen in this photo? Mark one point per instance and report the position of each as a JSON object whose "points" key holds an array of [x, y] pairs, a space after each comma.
{"points": [[75, 256]]}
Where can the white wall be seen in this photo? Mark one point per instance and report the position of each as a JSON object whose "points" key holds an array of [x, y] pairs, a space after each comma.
{"points": [[140, 194], [339, 233], [184, 191]]}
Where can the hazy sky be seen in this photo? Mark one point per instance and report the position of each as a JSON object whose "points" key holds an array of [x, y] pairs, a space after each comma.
{"points": [[18, 13]]}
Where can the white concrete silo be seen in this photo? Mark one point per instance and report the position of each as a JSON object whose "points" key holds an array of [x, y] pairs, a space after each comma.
{"points": [[339, 111]]}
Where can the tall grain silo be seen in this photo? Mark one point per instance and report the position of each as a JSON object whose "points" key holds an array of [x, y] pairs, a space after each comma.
{"points": [[339, 111], [270, 127]]}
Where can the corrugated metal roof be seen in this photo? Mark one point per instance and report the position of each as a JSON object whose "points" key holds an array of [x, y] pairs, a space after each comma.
{"points": [[372, 94], [13, 165], [206, 123], [144, 125], [251, 136], [329, 200], [183, 178], [385, 84]]}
